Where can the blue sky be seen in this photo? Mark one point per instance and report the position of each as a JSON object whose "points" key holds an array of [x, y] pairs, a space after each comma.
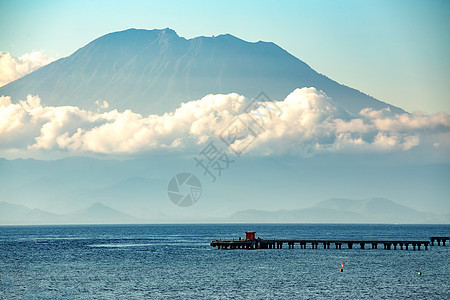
{"points": [[396, 51]]}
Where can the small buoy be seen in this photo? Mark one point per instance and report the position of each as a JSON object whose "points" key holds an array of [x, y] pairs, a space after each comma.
{"points": [[342, 268], [419, 273]]}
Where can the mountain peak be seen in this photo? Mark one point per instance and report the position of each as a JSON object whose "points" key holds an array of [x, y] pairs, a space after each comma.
{"points": [[228, 36], [154, 71], [168, 31], [98, 205], [134, 37]]}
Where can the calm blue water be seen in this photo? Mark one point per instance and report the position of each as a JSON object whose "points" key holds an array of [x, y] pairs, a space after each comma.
{"points": [[176, 262]]}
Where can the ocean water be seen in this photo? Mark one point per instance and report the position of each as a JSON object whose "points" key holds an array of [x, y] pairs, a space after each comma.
{"points": [[177, 262]]}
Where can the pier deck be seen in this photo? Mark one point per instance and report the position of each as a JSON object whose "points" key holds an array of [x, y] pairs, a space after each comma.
{"points": [[326, 244]]}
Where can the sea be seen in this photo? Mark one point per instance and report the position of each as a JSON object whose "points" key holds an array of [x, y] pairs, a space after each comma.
{"points": [[176, 261]]}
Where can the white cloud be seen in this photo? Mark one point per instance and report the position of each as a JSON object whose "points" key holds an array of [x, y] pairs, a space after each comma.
{"points": [[12, 68], [102, 104], [305, 123]]}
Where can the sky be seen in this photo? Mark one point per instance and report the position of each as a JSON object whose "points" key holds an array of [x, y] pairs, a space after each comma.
{"points": [[396, 51]]}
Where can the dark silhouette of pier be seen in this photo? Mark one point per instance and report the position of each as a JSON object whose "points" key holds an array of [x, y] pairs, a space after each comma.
{"points": [[256, 243], [438, 239]]}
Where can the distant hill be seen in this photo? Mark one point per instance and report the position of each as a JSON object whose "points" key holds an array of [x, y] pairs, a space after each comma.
{"points": [[97, 213], [153, 71], [307, 215], [11, 214], [138, 187], [339, 210], [374, 208]]}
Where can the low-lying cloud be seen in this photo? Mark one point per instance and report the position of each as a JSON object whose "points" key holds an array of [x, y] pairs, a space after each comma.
{"points": [[12, 68], [305, 123]]}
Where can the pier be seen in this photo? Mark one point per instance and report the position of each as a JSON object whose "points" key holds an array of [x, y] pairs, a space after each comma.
{"points": [[438, 239], [251, 242]]}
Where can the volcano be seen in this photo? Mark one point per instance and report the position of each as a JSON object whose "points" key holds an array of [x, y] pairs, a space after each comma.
{"points": [[153, 71]]}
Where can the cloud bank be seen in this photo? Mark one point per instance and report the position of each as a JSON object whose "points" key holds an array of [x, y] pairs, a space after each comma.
{"points": [[12, 68], [307, 122]]}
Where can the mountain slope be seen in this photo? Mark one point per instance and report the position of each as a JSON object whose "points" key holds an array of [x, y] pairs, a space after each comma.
{"points": [[380, 209], [97, 213], [18, 214], [153, 71], [339, 210]]}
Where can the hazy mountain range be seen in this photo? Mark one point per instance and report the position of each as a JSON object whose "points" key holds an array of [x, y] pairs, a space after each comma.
{"points": [[153, 71], [337, 210], [97, 213], [139, 186]]}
